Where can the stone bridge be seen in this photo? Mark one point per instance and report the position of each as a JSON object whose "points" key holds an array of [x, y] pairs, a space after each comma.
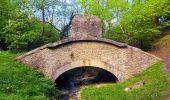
{"points": [[86, 47]]}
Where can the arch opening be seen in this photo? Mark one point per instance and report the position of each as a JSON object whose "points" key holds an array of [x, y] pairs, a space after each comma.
{"points": [[71, 80]]}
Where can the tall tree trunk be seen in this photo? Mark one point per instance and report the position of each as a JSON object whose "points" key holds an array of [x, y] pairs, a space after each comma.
{"points": [[28, 46], [141, 44], [155, 21]]}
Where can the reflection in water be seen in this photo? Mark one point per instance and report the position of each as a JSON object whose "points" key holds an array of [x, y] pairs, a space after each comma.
{"points": [[69, 83], [70, 90]]}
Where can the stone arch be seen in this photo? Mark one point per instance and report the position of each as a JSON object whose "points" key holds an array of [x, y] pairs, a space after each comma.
{"points": [[84, 74], [93, 63], [122, 60]]}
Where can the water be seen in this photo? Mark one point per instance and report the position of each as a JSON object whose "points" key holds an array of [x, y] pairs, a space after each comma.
{"points": [[70, 83], [70, 90]]}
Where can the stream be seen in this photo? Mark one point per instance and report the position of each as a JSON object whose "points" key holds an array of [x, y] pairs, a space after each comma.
{"points": [[70, 90], [70, 83]]}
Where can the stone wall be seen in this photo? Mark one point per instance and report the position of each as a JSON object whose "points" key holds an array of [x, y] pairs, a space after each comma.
{"points": [[122, 62], [86, 27]]}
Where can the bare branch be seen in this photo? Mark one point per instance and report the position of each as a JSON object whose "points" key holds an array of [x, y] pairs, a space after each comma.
{"points": [[54, 27]]}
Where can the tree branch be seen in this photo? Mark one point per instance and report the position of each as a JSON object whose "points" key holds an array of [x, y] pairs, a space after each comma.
{"points": [[54, 27], [64, 33]]}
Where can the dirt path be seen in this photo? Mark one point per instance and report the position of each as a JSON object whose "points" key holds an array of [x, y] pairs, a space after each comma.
{"points": [[166, 59], [161, 48]]}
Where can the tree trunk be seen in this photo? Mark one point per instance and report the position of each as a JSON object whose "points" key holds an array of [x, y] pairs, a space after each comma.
{"points": [[141, 44], [28, 46], [65, 31]]}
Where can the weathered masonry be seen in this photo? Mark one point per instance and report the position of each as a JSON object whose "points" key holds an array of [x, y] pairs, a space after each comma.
{"points": [[86, 47]]}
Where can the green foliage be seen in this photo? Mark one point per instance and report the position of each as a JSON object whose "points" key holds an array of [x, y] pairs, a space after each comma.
{"points": [[167, 14], [19, 82], [5, 12], [20, 29], [19, 32], [141, 20], [115, 33], [155, 87], [138, 22], [96, 7]]}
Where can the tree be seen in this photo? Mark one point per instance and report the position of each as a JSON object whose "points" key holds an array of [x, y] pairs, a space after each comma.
{"points": [[106, 10], [137, 21], [141, 21], [6, 12], [57, 10], [22, 30], [99, 8]]}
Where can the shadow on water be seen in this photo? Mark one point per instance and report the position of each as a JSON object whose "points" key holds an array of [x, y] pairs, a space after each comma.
{"points": [[69, 83]]}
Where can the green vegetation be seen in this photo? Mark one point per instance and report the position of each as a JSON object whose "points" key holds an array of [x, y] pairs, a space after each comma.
{"points": [[21, 29], [161, 48], [27, 24], [155, 87], [163, 42], [19, 82], [136, 22]]}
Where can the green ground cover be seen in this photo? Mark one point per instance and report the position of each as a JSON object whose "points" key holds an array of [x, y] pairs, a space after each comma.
{"points": [[155, 87], [19, 82]]}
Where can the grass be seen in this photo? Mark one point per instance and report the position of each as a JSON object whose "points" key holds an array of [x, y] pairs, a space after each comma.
{"points": [[155, 87], [164, 41], [19, 82]]}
